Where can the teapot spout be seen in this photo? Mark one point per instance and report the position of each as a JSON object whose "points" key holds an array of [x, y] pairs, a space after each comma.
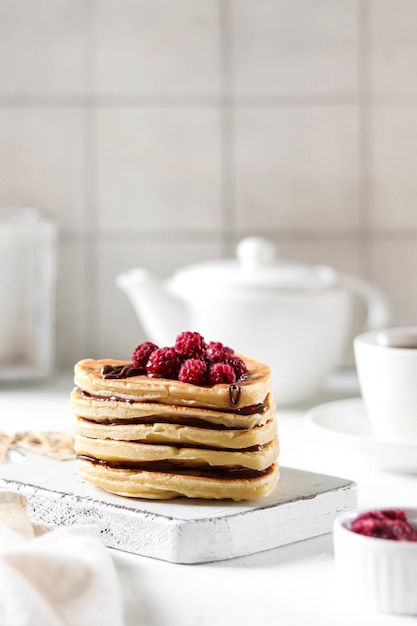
{"points": [[161, 315]]}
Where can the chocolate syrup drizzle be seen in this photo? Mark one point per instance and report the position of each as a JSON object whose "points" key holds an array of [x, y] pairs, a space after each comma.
{"points": [[235, 391], [120, 371]]}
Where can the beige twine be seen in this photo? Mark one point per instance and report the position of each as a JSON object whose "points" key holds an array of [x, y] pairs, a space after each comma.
{"points": [[56, 445]]}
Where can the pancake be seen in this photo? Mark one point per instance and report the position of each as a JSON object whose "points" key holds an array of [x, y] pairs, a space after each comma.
{"points": [[177, 433], [249, 392], [160, 485], [114, 408], [256, 457]]}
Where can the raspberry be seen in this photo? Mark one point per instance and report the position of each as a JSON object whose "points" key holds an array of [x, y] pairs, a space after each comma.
{"points": [[217, 352], [193, 371], [190, 360], [190, 345], [239, 366], [164, 362], [221, 373], [142, 353], [391, 524]]}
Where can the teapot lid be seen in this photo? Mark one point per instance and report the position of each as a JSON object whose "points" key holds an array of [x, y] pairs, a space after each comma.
{"points": [[255, 268]]}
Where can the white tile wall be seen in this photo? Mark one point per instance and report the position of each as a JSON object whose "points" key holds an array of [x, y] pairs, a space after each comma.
{"points": [[342, 253], [158, 47], [42, 161], [393, 48], [296, 168], [393, 168], [292, 48], [159, 168], [44, 47], [161, 257], [73, 323], [392, 264], [161, 132]]}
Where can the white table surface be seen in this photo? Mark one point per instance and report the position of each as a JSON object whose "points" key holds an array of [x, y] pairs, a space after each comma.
{"points": [[291, 585]]}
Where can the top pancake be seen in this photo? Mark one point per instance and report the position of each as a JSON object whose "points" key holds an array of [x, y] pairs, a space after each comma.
{"points": [[142, 388]]}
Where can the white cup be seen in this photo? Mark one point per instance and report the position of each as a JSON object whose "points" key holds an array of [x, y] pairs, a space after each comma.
{"points": [[386, 363]]}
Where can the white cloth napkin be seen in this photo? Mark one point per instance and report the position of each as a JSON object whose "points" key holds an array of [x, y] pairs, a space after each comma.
{"points": [[63, 577]]}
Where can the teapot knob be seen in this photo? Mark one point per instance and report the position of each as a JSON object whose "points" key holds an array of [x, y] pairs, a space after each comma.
{"points": [[253, 252]]}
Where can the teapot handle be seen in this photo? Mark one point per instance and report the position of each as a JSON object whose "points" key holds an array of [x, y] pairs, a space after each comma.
{"points": [[379, 310]]}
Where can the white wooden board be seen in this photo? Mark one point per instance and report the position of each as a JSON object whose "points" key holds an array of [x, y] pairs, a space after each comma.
{"points": [[303, 505]]}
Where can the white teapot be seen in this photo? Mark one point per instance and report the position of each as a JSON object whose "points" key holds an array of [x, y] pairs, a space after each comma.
{"points": [[295, 317]]}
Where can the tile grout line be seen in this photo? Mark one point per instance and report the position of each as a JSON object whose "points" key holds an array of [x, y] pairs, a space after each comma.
{"points": [[161, 236], [190, 100], [23, 101], [227, 136], [365, 135], [91, 233]]}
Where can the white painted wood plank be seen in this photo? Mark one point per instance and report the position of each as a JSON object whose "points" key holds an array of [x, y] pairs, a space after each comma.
{"points": [[303, 505]]}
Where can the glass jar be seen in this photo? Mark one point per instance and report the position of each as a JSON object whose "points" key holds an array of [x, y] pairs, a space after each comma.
{"points": [[28, 264]]}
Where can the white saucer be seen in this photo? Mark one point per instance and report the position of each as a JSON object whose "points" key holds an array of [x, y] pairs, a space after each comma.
{"points": [[346, 423]]}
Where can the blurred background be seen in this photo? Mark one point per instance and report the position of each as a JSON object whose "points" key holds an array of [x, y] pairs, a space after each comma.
{"points": [[160, 132]]}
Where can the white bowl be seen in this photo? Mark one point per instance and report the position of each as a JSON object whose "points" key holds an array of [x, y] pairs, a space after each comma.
{"points": [[379, 573]]}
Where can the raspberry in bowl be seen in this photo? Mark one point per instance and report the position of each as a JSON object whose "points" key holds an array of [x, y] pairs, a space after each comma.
{"points": [[376, 558]]}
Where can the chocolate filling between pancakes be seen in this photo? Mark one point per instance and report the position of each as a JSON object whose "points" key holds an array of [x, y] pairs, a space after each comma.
{"points": [[253, 409], [176, 467]]}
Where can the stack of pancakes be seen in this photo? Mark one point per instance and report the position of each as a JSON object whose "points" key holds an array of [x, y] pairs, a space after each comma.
{"points": [[158, 438]]}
